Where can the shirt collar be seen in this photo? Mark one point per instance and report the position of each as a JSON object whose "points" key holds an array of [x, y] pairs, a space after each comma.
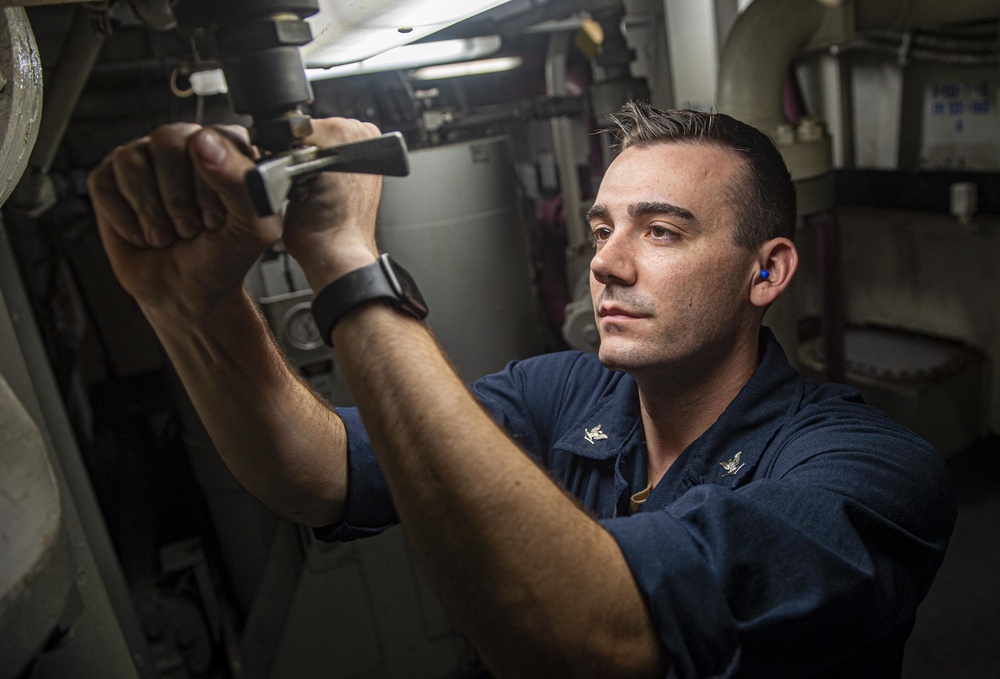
{"points": [[609, 427], [745, 427]]}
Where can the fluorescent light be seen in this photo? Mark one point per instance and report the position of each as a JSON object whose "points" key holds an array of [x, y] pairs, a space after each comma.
{"points": [[467, 68], [413, 56], [345, 32]]}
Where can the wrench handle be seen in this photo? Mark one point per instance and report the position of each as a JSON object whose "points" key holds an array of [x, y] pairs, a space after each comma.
{"points": [[270, 181]]}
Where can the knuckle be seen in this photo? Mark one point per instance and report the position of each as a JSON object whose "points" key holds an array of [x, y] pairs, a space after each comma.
{"points": [[150, 214], [329, 128], [101, 178], [130, 158], [171, 138], [237, 135], [175, 202]]}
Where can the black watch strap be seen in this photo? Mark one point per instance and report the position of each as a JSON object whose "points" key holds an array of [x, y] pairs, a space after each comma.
{"points": [[383, 279]]}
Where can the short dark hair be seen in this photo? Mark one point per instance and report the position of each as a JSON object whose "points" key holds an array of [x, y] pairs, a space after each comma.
{"points": [[764, 199]]}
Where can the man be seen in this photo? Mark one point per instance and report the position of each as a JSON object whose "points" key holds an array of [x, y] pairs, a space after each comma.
{"points": [[687, 504]]}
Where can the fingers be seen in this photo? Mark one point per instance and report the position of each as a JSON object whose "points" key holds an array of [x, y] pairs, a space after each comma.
{"points": [[174, 183], [213, 210], [183, 179], [136, 184], [115, 217], [175, 187], [331, 131], [240, 136], [333, 214], [144, 190], [221, 162]]}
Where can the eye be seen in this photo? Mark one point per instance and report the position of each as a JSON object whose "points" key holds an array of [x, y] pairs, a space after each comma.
{"points": [[661, 232], [599, 234]]}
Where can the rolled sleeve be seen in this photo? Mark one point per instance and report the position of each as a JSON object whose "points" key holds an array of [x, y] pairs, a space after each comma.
{"points": [[369, 509], [518, 398]]}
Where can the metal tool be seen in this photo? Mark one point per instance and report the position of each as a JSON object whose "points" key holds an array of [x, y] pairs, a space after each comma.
{"points": [[270, 182], [257, 44]]}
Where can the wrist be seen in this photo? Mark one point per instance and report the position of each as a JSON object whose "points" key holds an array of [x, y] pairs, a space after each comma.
{"points": [[170, 313], [326, 256], [323, 261], [383, 281]]}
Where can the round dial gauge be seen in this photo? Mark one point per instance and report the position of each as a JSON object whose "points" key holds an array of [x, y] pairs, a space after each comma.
{"points": [[300, 328]]}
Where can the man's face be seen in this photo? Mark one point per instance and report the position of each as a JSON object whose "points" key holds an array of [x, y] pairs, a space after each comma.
{"points": [[669, 286]]}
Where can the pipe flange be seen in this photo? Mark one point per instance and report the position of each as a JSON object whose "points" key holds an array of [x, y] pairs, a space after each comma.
{"points": [[896, 355], [20, 96]]}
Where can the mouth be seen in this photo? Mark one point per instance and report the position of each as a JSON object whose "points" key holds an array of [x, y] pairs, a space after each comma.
{"points": [[613, 312]]}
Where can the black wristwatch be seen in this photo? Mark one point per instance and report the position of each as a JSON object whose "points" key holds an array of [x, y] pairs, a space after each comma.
{"points": [[382, 280]]}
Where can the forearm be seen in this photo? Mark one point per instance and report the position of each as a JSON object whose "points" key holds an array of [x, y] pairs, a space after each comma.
{"points": [[279, 440], [174, 216], [537, 585]]}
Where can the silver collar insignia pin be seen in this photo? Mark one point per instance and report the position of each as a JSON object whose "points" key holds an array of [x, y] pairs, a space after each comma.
{"points": [[732, 466], [594, 434]]}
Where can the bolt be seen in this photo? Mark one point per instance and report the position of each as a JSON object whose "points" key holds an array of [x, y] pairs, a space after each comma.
{"points": [[785, 134], [810, 129]]}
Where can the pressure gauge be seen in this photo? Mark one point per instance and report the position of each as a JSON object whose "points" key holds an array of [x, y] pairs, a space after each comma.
{"points": [[299, 328]]}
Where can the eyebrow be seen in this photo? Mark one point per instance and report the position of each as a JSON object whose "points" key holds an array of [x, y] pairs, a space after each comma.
{"points": [[658, 208], [645, 208], [598, 211]]}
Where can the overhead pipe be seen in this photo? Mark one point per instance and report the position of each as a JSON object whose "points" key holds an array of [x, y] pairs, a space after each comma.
{"points": [[769, 34], [753, 72], [756, 57]]}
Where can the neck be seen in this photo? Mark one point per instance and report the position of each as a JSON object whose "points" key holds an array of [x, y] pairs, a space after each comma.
{"points": [[679, 403]]}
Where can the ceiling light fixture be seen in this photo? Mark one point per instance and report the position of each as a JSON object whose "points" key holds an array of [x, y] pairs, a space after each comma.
{"points": [[345, 32], [413, 56], [467, 68]]}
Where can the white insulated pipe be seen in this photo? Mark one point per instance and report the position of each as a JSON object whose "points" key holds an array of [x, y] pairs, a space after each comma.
{"points": [[769, 33], [755, 59]]}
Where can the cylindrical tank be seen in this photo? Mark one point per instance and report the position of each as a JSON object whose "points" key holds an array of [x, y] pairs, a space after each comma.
{"points": [[454, 224]]}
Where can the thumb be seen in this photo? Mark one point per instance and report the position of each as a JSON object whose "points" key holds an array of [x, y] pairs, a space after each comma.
{"points": [[221, 165]]}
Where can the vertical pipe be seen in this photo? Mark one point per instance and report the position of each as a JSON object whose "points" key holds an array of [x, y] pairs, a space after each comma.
{"points": [[562, 139], [63, 88], [832, 303], [846, 99]]}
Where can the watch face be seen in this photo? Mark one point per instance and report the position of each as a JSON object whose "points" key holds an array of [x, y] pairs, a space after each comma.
{"points": [[402, 284], [299, 328]]}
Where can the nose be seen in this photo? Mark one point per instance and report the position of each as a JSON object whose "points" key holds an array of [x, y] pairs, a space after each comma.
{"points": [[614, 262]]}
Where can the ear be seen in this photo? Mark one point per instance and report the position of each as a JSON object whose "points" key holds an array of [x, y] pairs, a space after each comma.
{"points": [[780, 259]]}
